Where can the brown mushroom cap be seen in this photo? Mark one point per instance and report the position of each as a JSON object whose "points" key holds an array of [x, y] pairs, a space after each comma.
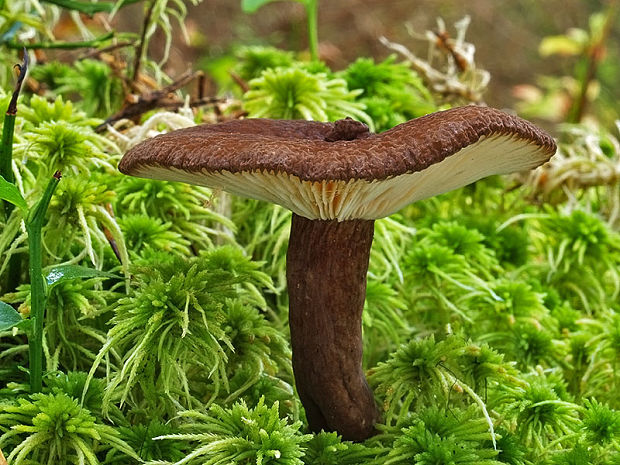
{"points": [[338, 170]]}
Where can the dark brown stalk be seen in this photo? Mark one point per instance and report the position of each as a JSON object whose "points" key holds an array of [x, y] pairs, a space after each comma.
{"points": [[23, 69], [327, 263], [6, 166]]}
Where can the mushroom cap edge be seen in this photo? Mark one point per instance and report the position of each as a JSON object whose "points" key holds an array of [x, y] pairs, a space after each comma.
{"points": [[291, 163]]}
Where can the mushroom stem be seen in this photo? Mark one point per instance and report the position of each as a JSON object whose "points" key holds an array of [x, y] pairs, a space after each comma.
{"points": [[327, 263]]}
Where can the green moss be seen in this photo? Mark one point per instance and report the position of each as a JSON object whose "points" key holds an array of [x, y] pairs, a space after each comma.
{"points": [[491, 323]]}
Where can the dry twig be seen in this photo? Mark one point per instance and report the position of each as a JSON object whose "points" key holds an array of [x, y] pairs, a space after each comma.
{"points": [[162, 98], [456, 75], [439, 82]]}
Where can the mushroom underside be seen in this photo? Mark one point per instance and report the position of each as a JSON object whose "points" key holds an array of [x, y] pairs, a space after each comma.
{"points": [[359, 198]]}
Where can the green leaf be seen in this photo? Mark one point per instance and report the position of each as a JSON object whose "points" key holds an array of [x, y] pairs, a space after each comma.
{"points": [[90, 8], [9, 317], [62, 273], [10, 193], [250, 6], [564, 45]]}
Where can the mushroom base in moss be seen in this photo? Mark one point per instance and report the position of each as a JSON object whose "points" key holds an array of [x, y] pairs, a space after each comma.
{"points": [[327, 262]]}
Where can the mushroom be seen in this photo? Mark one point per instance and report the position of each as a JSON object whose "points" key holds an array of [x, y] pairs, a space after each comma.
{"points": [[337, 178]]}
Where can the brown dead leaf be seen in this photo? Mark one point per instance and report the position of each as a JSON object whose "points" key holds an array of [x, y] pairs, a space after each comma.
{"points": [[2, 459]]}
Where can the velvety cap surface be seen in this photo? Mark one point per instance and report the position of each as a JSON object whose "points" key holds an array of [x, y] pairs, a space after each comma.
{"points": [[339, 170]]}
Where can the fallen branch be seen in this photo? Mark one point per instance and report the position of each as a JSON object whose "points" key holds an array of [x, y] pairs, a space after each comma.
{"points": [[162, 98], [110, 48]]}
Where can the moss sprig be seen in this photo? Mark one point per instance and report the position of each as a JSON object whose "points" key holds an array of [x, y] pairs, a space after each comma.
{"points": [[239, 434], [421, 372], [437, 435], [172, 329], [329, 449], [54, 145], [392, 92], [542, 413], [294, 93], [73, 333], [82, 209], [191, 211], [57, 429]]}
